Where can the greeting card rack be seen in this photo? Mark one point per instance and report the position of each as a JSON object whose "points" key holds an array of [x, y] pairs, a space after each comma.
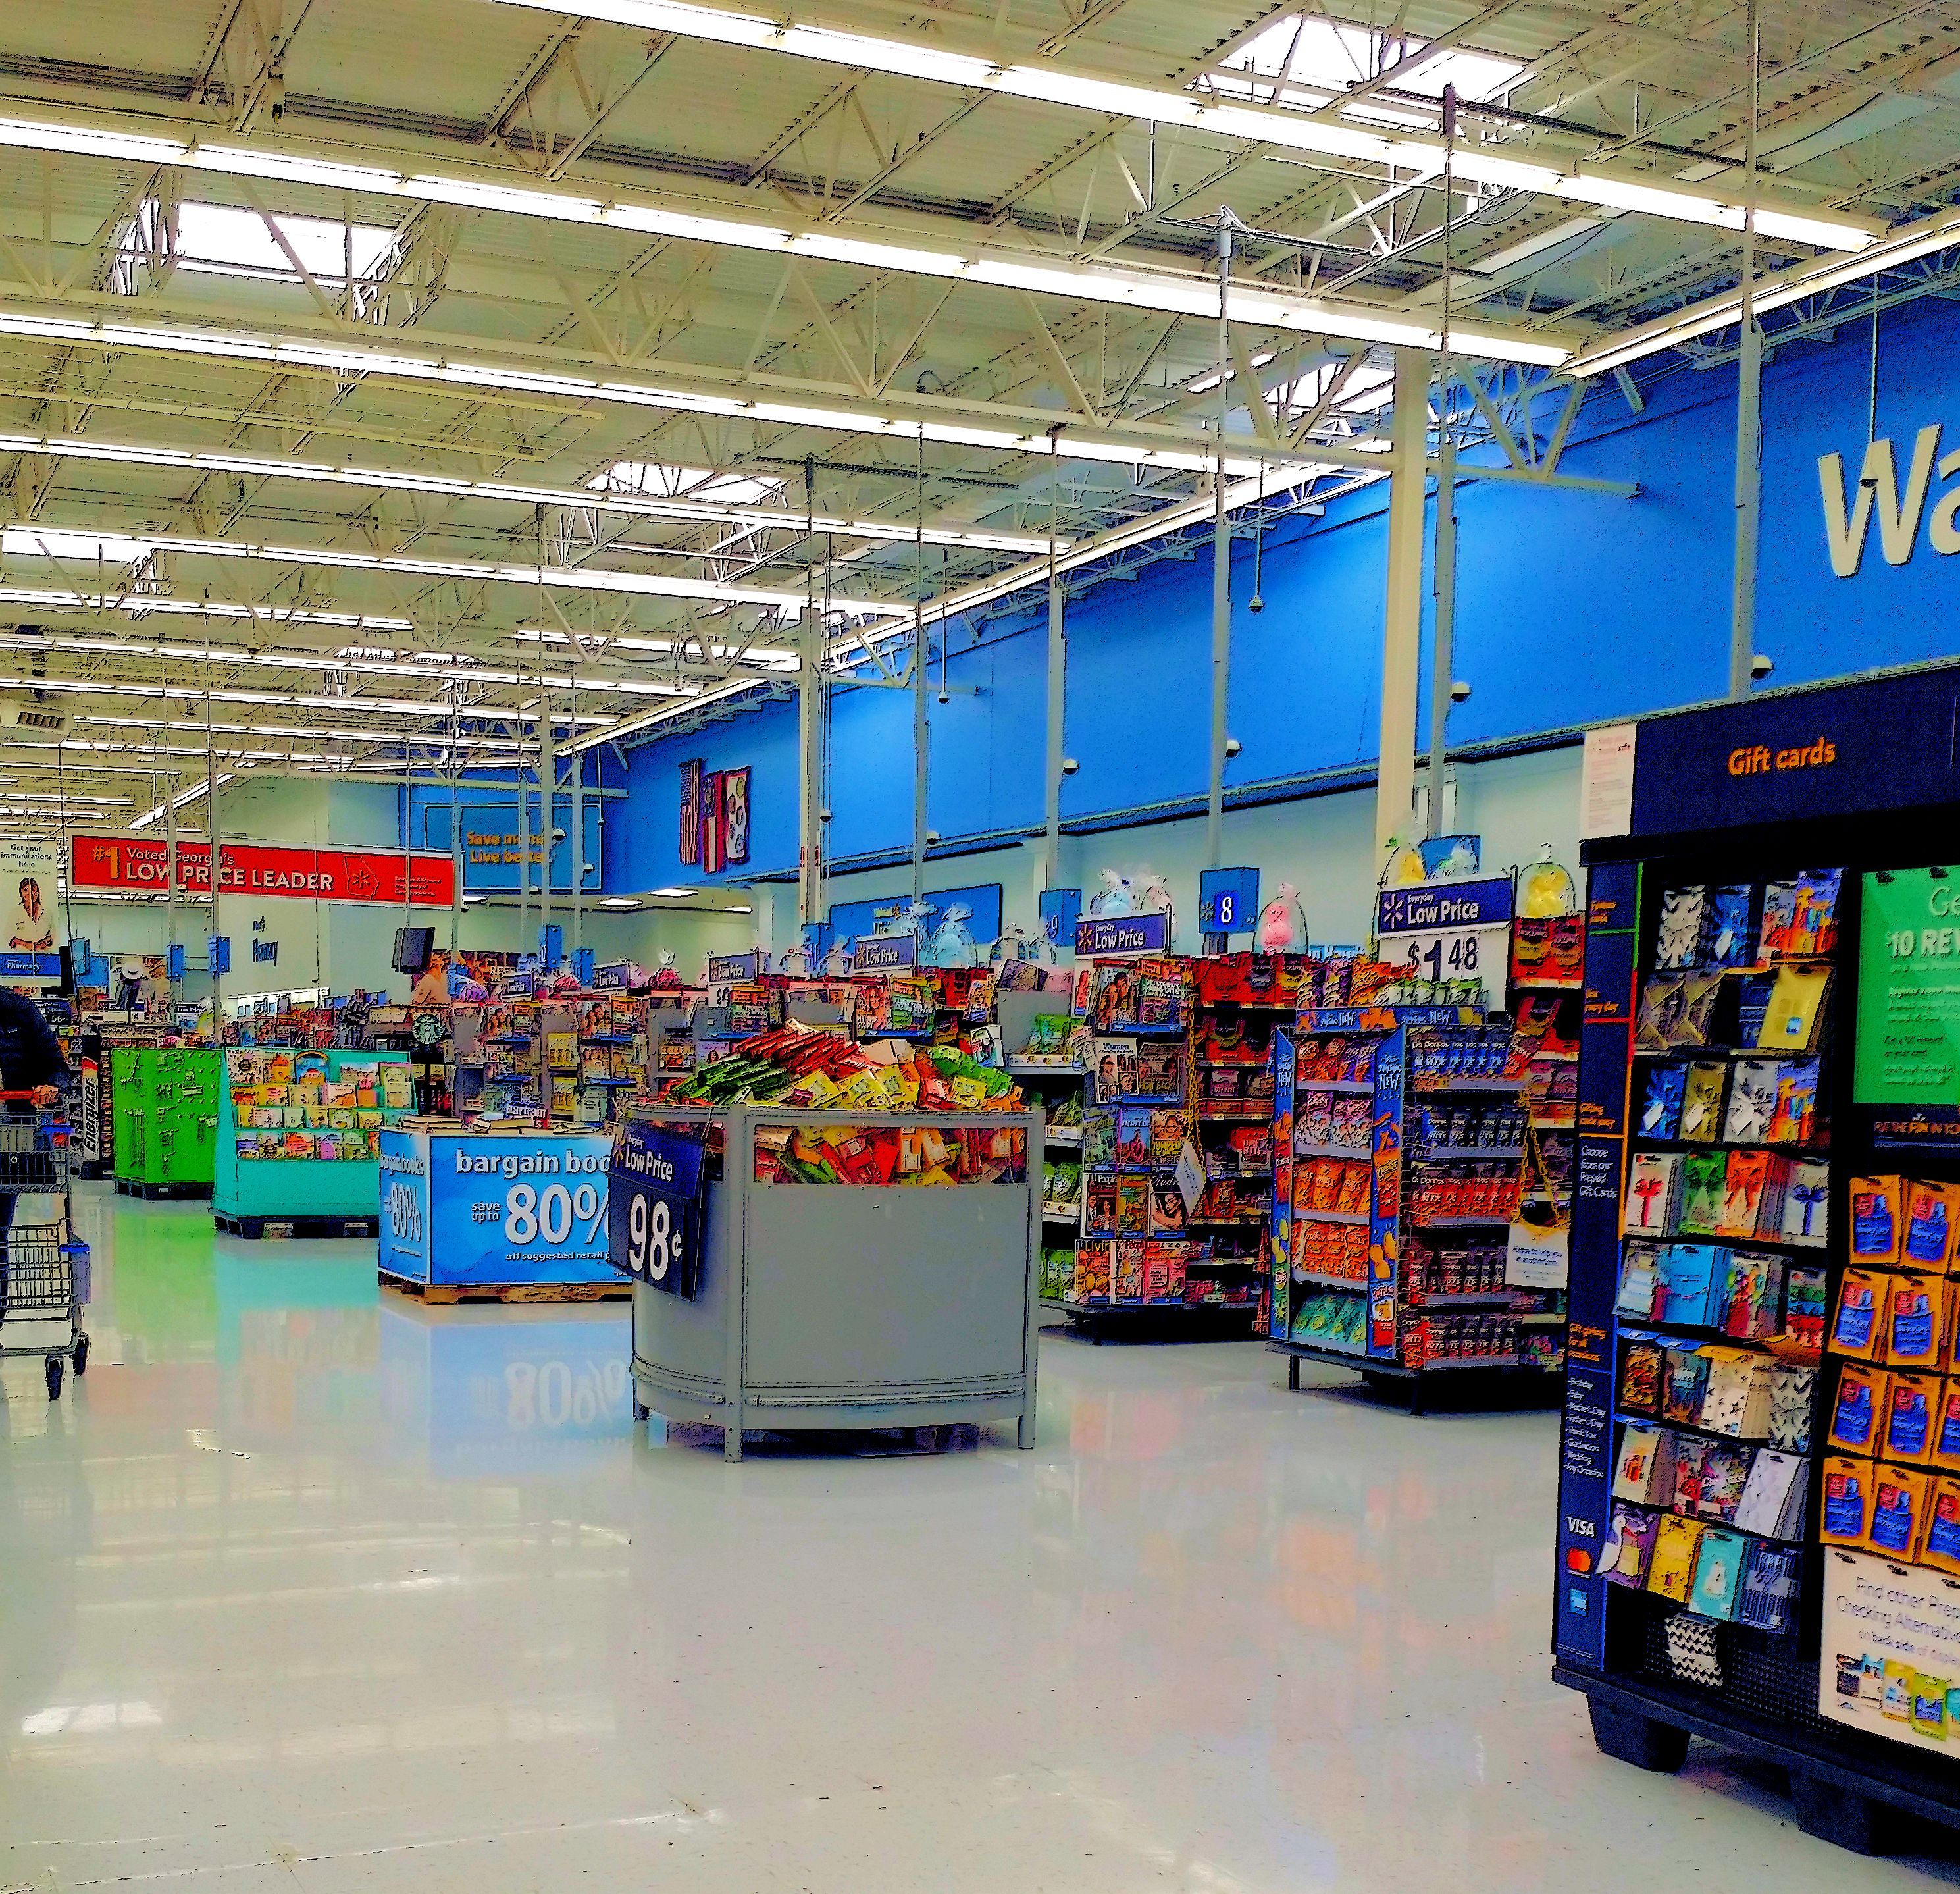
{"points": [[1397, 1137], [1753, 1289]]}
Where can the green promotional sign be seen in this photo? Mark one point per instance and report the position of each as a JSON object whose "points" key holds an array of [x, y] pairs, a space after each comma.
{"points": [[1909, 989]]}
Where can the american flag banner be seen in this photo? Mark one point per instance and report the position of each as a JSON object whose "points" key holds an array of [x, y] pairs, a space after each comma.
{"points": [[711, 837], [690, 812]]}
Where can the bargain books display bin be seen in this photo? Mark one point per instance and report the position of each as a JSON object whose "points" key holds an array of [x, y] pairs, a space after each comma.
{"points": [[1759, 1523], [787, 1276]]}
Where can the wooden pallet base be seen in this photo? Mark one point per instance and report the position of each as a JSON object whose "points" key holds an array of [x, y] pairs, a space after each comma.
{"points": [[281, 1229], [163, 1193], [441, 1293], [1158, 1321]]}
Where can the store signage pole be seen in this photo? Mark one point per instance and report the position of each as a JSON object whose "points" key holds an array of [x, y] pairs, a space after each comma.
{"points": [[170, 857], [575, 769], [1444, 655], [919, 667], [547, 813], [523, 838], [1401, 631], [1058, 682], [455, 832], [1748, 408], [809, 764], [1221, 560], [216, 858]]}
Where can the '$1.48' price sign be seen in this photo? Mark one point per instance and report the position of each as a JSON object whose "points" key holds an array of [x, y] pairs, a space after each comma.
{"points": [[655, 1216]]}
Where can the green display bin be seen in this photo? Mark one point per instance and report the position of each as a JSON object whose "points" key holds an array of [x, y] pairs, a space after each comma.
{"points": [[163, 1105]]}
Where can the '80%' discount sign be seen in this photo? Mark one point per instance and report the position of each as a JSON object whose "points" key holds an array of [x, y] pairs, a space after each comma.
{"points": [[654, 1222]]}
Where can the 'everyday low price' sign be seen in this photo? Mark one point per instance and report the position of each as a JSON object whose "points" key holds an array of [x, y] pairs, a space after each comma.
{"points": [[655, 1219]]}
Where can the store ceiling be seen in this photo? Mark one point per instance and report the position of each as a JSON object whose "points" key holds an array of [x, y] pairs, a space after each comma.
{"points": [[318, 317]]}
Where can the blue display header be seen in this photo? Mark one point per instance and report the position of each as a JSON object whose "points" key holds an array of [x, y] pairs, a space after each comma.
{"points": [[614, 977], [1108, 936], [886, 953], [1886, 744], [1444, 904], [1228, 900]]}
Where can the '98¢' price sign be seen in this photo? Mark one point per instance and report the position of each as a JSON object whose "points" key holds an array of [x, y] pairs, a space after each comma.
{"points": [[654, 1223]]}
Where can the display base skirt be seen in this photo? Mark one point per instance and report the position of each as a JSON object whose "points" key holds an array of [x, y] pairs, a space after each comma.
{"points": [[279, 1229], [441, 1293], [163, 1193], [1837, 1796], [1158, 1321], [831, 1410]]}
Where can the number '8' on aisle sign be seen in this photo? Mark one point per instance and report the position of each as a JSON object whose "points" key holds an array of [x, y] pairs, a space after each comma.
{"points": [[655, 1216]]}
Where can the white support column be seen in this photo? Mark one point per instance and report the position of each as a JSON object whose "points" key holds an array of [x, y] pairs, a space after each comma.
{"points": [[1057, 698], [1401, 631], [575, 768], [810, 772], [547, 811]]}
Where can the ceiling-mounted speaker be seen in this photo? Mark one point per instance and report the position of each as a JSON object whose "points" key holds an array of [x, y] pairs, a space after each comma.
{"points": [[17, 713]]}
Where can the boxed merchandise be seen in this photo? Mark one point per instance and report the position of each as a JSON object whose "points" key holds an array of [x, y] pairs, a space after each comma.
{"points": [[1876, 1219], [1642, 1283], [1857, 1328], [1670, 1569], [1915, 1321], [1857, 1412], [1630, 1546], [1704, 1088], [1847, 1502], [1644, 1472], [1792, 1388], [1661, 1106], [1940, 1548], [1899, 1496], [1653, 1193], [1928, 1242], [1945, 1449], [1704, 1192], [1642, 1370], [1767, 1600], [1911, 1403], [1773, 1497], [1684, 918], [1718, 1571], [1806, 1205]]}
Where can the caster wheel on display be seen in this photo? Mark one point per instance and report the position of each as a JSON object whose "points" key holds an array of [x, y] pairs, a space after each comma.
{"points": [[640, 1413], [54, 1377], [81, 1356]]}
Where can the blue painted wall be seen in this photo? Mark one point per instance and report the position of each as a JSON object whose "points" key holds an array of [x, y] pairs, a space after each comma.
{"points": [[1572, 607]]}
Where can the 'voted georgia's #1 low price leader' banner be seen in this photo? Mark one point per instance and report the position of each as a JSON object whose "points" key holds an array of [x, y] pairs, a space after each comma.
{"points": [[266, 873]]}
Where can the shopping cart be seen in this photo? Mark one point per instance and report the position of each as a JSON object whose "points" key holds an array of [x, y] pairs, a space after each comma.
{"points": [[43, 1271]]}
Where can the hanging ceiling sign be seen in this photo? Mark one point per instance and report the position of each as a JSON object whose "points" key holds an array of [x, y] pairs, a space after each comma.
{"points": [[142, 862]]}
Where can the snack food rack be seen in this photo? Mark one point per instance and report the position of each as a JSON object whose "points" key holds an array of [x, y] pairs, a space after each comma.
{"points": [[1397, 1138], [762, 1301], [1759, 1537]]}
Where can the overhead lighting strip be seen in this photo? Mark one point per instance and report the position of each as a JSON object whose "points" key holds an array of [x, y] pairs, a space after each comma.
{"points": [[921, 58], [196, 693], [1908, 244], [517, 492], [1166, 292], [124, 548]]}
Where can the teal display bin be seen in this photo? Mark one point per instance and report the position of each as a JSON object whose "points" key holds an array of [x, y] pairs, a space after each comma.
{"points": [[295, 1197]]}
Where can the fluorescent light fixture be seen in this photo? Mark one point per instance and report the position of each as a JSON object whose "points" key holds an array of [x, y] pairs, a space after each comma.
{"points": [[675, 894], [117, 549], [1169, 292], [1909, 242], [738, 910], [142, 604], [919, 59], [713, 505], [472, 900], [616, 901]]}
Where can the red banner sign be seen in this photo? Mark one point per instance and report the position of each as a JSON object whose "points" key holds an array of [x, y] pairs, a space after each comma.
{"points": [[245, 868]]}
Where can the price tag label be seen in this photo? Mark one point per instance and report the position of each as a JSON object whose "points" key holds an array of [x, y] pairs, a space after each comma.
{"points": [[1449, 931], [1452, 954], [655, 1219]]}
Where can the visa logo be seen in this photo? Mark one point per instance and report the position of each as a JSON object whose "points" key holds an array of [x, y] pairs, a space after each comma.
{"points": [[1581, 1528]]}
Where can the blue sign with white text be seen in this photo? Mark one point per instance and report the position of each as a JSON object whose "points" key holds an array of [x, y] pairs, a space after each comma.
{"points": [[730, 970], [886, 953], [1109, 937], [465, 1209], [1228, 900], [655, 1222], [1434, 906]]}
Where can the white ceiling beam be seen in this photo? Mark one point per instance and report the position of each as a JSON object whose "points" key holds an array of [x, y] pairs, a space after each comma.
{"points": [[940, 59], [957, 255]]}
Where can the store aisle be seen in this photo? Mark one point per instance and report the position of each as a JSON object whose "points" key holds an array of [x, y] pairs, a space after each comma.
{"points": [[312, 1589]]}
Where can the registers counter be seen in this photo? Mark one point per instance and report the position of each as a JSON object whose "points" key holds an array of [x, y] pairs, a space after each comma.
{"points": [[477, 1212]]}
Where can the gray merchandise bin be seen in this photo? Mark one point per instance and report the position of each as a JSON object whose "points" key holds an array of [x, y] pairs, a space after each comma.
{"points": [[846, 1305]]}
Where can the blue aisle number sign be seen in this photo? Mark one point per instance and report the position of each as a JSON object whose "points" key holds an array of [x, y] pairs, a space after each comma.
{"points": [[655, 1219]]}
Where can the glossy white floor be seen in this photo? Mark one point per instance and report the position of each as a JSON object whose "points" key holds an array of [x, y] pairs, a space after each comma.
{"points": [[305, 1588]]}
